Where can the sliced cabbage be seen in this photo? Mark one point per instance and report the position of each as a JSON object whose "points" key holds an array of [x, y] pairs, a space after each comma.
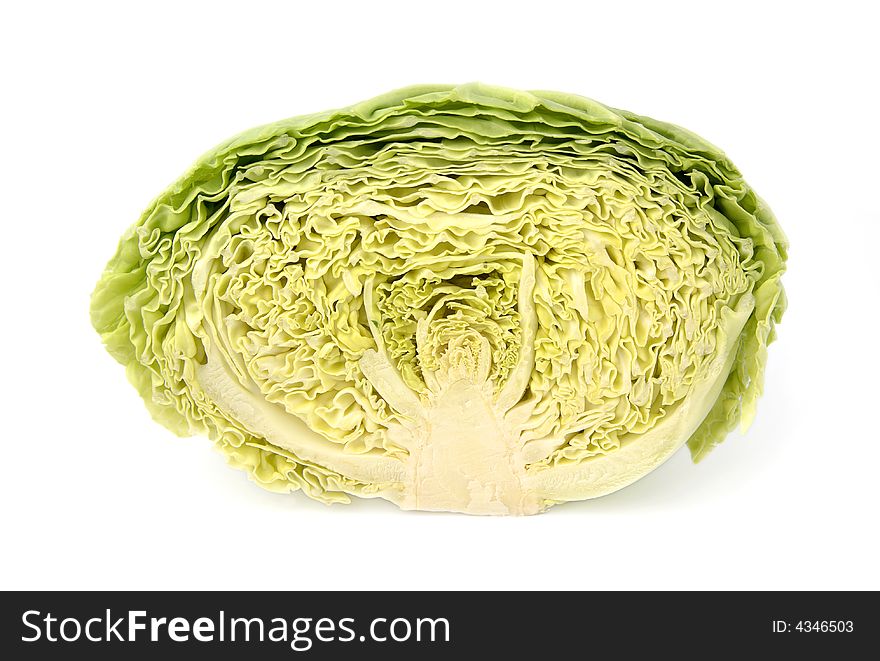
{"points": [[465, 298]]}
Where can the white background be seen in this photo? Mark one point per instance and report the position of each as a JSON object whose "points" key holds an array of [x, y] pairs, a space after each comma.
{"points": [[104, 105]]}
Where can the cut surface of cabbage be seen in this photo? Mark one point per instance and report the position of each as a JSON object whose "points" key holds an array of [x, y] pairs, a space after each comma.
{"points": [[466, 299]]}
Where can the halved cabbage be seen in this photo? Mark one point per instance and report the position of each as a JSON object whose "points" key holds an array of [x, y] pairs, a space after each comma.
{"points": [[457, 298]]}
